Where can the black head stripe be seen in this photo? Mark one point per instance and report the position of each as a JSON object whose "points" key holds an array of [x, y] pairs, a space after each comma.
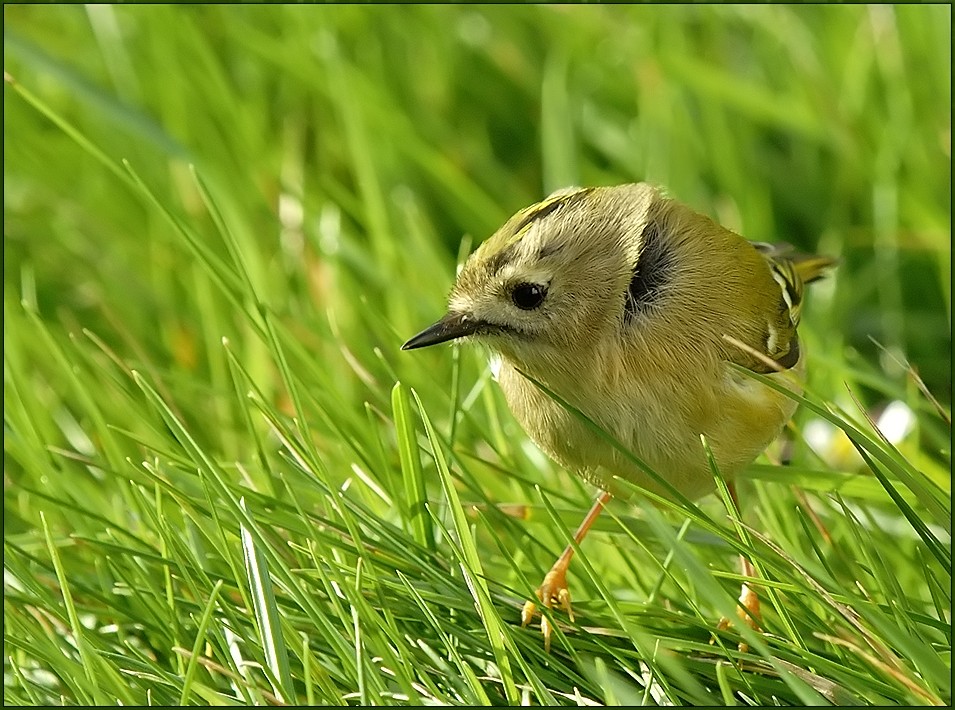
{"points": [[533, 213], [542, 209], [537, 214]]}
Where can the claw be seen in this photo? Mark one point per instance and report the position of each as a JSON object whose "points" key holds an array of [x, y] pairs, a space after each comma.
{"points": [[553, 592], [546, 631]]}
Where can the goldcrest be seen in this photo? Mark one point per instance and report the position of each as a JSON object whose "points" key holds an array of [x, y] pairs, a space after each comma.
{"points": [[632, 307]]}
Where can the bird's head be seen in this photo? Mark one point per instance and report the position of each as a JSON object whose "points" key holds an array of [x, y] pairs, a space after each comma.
{"points": [[553, 279]]}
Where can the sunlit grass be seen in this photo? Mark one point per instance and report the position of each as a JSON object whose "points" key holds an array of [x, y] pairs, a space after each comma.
{"points": [[224, 482]]}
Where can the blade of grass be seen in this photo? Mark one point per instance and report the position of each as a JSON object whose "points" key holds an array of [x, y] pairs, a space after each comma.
{"points": [[266, 613], [471, 562], [416, 497]]}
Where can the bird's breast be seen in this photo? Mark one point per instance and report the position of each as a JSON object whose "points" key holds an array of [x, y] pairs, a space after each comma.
{"points": [[657, 419]]}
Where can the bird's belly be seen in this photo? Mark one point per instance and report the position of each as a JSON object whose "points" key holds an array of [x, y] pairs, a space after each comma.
{"points": [[739, 419]]}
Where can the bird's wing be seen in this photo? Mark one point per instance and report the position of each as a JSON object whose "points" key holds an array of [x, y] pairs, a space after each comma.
{"points": [[775, 345]]}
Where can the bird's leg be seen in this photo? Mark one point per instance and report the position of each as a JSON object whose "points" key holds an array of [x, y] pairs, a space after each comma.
{"points": [[553, 590], [748, 608], [748, 601]]}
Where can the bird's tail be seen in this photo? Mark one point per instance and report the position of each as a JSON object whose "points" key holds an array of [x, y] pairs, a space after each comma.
{"points": [[811, 267], [807, 267]]}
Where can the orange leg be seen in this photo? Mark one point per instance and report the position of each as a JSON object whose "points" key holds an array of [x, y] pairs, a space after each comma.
{"points": [[553, 590], [748, 609]]}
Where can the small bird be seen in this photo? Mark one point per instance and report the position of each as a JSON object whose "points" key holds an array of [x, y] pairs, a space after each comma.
{"points": [[633, 308]]}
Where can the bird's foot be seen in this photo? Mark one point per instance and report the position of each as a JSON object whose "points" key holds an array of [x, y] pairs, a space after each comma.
{"points": [[552, 593], [747, 611]]}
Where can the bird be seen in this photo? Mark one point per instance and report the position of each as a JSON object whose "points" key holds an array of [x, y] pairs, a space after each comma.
{"points": [[641, 314]]}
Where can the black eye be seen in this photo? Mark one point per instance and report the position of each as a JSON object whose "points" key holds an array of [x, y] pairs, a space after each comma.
{"points": [[527, 297]]}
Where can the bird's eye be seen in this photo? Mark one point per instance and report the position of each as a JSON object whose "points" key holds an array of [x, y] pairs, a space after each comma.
{"points": [[527, 297]]}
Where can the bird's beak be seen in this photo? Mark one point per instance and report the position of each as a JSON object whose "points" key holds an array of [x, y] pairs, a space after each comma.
{"points": [[453, 325]]}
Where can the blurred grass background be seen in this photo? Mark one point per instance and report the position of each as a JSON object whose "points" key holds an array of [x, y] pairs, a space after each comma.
{"points": [[173, 344]]}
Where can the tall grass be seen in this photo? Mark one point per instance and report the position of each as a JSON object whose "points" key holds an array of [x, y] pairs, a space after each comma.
{"points": [[223, 483]]}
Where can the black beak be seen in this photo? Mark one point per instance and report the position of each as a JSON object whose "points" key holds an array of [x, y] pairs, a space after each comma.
{"points": [[453, 325]]}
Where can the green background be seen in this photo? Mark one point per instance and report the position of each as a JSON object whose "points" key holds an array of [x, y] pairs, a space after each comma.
{"points": [[170, 347]]}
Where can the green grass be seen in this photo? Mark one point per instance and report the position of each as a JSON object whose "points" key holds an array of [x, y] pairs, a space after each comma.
{"points": [[224, 483]]}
